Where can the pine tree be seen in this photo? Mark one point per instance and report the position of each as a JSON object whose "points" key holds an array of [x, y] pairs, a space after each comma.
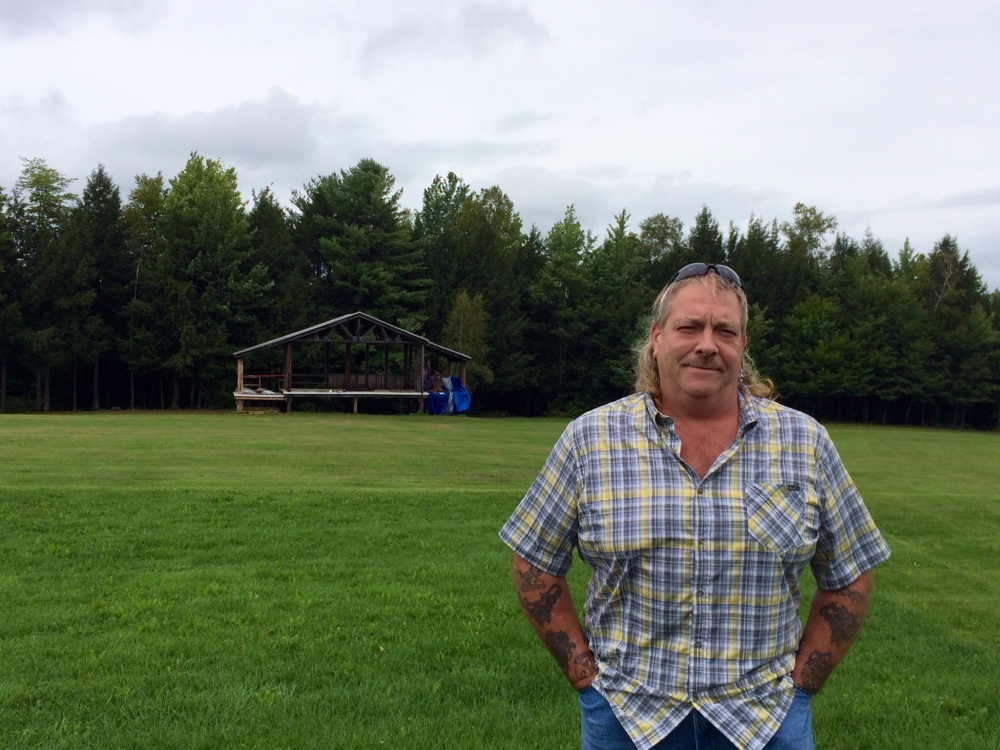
{"points": [[359, 242]]}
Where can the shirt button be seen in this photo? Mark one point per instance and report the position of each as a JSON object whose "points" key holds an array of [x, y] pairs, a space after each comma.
{"points": [[701, 490], [701, 542], [701, 593], [697, 644]]}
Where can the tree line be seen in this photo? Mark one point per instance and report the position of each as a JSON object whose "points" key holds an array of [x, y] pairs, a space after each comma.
{"points": [[138, 301]]}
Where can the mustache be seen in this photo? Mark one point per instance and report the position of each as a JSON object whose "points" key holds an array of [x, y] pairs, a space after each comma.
{"points": [[711, 362]]}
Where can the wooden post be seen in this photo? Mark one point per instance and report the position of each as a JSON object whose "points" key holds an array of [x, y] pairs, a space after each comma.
{"points": [[239, 383], [355, 404], [420, 379], [288, 367], [326, 364], [347, 366], [288, 378], [463, 375], [367, 382], [385, 368]]}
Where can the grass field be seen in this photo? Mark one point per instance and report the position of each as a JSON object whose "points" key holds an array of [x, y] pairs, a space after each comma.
{"points": [[335, 581]]}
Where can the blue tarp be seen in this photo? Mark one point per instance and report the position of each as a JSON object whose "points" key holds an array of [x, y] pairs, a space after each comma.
{"points": [[455, 399], [461, 396], [437, 403]]}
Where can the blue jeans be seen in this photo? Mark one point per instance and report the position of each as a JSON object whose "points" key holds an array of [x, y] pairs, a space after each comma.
{"points": [[600, 730]]}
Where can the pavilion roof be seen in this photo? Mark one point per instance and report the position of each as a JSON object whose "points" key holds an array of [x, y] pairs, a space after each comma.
{"points": [[357, 328]]}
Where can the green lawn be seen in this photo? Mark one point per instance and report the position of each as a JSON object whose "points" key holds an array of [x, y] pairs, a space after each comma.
{"points": [[328, 581]]}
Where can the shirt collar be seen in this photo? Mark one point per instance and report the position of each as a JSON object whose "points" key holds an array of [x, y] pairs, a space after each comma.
{"points": [[748, 409], [747, 405]]}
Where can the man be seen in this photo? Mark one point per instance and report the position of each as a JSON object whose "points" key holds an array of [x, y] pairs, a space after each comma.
{"points": [[697, 501]]}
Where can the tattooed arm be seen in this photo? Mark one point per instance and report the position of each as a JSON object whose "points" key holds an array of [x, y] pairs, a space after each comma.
{"points": [[834, 621], [547, 604]]}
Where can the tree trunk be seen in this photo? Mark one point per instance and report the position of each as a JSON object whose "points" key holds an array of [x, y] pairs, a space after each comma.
{"points": [[909, 408], [97, 372], [191, 402], [176, 402], [162, 404], [38, 391], [74, 384], [48, 382], [131, 390]]}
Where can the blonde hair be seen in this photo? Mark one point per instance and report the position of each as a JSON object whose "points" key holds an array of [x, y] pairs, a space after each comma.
{"points": [[647, 375]]}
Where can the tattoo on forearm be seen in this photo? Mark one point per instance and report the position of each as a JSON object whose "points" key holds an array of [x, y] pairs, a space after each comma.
{"points": [[584, 666], [561, 648], [844, 624], [530, 579], [858, 598], [817, 668], [541, 609]]}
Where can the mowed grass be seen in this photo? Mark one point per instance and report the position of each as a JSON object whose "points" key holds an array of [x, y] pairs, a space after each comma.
{"points": [[335, 581]]}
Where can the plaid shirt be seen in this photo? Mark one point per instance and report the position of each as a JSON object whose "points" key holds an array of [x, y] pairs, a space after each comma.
{"points": [[694, 597]]}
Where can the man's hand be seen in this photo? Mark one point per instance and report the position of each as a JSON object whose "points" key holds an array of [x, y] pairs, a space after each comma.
{"points": [[548, 606], [834, 621]]}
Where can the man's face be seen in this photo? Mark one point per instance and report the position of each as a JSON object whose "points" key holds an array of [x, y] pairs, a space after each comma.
{"points": [[699, 350]]}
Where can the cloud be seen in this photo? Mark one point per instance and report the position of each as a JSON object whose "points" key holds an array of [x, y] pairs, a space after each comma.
{"points": [[51, 105], [27, 129], [273, 131], [18, 17], [520, 121], [478, 29], [973, 199], [279, 140], [599, 194]]}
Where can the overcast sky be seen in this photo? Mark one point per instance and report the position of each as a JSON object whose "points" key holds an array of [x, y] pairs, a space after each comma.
{"points": [[884, 114]]}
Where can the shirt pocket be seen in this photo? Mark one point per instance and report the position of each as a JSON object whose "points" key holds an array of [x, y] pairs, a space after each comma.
{"points": [[782, 517]]}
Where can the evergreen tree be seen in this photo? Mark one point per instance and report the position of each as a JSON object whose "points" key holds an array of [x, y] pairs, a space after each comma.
{"points": [[145, 343], [103, 245], [704, 243], [489, 248], [208, 286], [11, 289], [286, 306], [619, 298], [42, 207], [662, 239], [437, 229], [965, 349], [360, 243], [559, 295]]}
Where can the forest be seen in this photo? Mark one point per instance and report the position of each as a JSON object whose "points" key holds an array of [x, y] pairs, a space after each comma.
{"points": [[136, 299]]}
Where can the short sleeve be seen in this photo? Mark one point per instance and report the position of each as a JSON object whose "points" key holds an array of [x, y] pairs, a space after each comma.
{"points": [[849, 542], [543, 527]]}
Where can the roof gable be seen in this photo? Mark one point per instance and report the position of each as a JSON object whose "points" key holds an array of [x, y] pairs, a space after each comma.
{"points": [[356, 328]]}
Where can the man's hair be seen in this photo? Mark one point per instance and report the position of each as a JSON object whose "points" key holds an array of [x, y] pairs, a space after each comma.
{"points": [[647, 376]]}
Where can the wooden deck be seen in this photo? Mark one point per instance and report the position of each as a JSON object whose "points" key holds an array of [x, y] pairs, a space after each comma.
{"points": [[249, 401]]}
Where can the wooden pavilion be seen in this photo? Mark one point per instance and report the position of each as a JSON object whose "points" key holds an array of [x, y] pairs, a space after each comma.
{"points": [[349, 336]]}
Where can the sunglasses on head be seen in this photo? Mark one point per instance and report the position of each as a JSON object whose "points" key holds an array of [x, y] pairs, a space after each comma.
{"points": [[700, 269]]}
